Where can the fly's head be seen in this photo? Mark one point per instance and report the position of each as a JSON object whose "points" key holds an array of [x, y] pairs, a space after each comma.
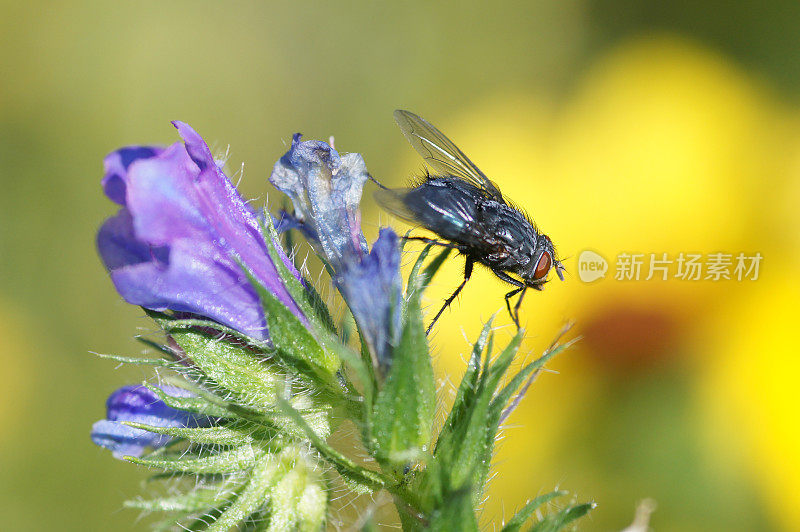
{"points": [[543, 259]]}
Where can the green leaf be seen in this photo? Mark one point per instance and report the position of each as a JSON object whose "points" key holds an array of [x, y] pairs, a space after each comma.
{"points": [[525, 513], [468, 386], [559, 520], [404, 408], [231, 461]]}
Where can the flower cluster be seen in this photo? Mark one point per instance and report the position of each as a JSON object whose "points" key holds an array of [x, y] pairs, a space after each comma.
{"points": [[259, 375]]}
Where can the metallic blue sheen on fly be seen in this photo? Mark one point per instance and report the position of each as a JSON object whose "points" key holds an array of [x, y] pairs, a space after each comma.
{"points": [[467, 210]]}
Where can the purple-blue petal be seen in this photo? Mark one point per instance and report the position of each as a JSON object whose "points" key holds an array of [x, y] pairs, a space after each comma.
{"points": [[141, 405], [116, 169], [182, 232], [373, 288]]}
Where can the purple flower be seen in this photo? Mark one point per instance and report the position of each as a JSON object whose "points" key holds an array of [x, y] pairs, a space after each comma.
{"points": [[175, 242], [373, 290], [141, 405]]}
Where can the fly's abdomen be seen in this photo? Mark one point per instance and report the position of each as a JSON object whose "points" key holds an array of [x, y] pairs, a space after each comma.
{"points": [[448, 210]]}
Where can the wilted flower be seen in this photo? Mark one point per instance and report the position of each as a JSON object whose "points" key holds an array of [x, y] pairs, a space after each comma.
{"points": [[139, 404], [175, 243], [325, 188]]}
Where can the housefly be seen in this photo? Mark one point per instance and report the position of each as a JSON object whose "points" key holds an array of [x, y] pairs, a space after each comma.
{"points": [[467, 210]]}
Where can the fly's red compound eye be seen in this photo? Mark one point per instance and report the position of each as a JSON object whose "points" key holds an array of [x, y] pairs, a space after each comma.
{"points": [[543, 266]]}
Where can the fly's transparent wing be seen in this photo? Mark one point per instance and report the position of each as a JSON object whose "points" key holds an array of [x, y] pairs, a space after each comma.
{"points": [[441, 154], [392, 199]]}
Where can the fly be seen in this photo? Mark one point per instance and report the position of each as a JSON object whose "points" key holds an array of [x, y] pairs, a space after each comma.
{"points": [[467, 210]]}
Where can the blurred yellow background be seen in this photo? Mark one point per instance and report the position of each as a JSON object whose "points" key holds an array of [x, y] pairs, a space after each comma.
{"points": [[620, 126]]}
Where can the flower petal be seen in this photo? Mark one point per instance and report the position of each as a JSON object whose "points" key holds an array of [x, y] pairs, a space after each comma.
{"points": [[373, 291], [181, 235], [116, 169], [141, 405]]}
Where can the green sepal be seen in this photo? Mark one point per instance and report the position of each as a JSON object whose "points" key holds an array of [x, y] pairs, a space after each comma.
{"points": [[515, 523], [233, 367], [402, 418], [162, 362], [170, 323], [505, 394], [161, 348], [251, 498], [193, 404], [197, 500], [501, 400], [298, 500], [230, 461], [231, 435], [456, 513], [495, 371], [559, 520], [360, 479], [489, 424], [415, 280], [292, 339], [433, 266], [306, 297]]}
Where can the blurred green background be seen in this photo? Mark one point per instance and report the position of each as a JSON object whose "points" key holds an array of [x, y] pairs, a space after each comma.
{"points": [[622, 126]]}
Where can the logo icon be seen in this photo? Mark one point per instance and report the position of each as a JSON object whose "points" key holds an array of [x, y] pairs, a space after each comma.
{"points": [[591, 266]]}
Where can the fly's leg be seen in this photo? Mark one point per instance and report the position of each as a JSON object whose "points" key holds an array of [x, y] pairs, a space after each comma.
{"points": [[514, 313], [432, 242], [467, 274], [373, 179], [520, 287], [515, 316]]}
